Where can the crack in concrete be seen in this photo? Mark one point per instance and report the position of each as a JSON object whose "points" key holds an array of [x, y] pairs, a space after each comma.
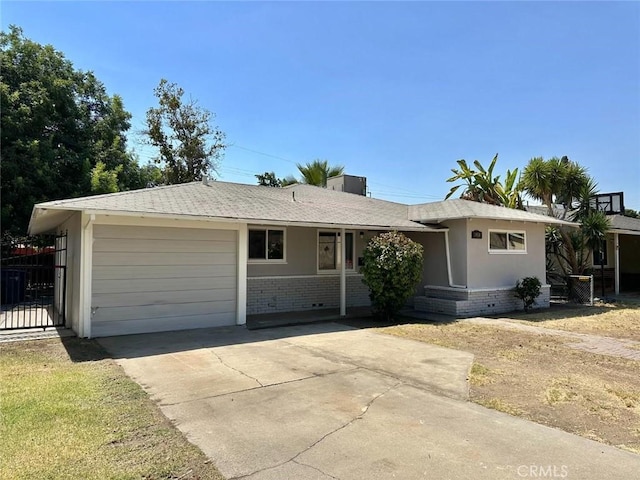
{"points": [[324, 437], [315, 468], [315, 375], [235, 369]]}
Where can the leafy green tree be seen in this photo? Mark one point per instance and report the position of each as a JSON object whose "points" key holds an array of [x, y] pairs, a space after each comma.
{"points": [[317, 172], [269, 179], [392, 269], [189, 145], [57, 123], [630, 212], [566, 189], [103, 180], [481, 185]]}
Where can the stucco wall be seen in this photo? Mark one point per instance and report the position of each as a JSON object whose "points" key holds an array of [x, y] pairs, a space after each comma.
{"points": [[434, 260], [486, 269], [458, 250], [301, 246]]}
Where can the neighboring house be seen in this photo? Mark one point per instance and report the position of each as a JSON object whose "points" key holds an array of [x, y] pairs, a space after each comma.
{"points": [[211, 253], [621, 255]]}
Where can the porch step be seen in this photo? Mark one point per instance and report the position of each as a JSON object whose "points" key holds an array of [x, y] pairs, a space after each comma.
{"points": [[443, 306]]}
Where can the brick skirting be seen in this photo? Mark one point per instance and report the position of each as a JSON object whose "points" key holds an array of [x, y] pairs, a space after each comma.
{"points": [[299, 293]]}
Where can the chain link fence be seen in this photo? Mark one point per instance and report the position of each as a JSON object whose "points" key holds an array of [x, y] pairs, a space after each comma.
{"points": [[580, 289]]}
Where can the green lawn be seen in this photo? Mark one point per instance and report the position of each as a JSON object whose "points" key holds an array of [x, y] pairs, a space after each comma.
{"points": [[68, 411]]}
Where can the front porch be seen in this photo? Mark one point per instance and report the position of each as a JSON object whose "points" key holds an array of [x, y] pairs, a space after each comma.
{"points": [[281, 319]]}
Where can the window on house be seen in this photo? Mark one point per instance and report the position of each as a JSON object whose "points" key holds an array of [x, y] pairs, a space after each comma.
{"points": [[266, 244], [330, 251], [507, 242]]}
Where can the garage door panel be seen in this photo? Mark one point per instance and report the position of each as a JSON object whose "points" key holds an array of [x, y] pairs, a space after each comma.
{"points": [[133, 272], [150, 258], [116, 314], [163, 246], [141, 285], [161, 233], [163, 298], [148, 279], [101, 329]]}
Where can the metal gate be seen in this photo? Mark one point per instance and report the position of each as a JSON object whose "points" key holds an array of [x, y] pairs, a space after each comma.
{"points": [[33, 283]]}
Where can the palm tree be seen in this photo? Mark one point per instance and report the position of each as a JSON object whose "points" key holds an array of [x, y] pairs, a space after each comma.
{"points": [[317, 172], [562, 182]]}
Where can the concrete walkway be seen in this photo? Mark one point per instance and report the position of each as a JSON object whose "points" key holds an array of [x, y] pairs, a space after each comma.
{"points": [[327, 402], [614, 347], [27, 334]]}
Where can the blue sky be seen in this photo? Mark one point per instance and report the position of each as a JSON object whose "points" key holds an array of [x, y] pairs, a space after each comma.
{"points": [[396, 92]]}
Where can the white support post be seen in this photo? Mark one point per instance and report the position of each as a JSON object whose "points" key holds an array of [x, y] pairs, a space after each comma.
{"points": [[243, 253], [343, 273], [86, 271], [616, 246]]}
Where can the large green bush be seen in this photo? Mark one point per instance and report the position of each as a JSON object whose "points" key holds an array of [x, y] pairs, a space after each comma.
{"points": [[392, 269]]}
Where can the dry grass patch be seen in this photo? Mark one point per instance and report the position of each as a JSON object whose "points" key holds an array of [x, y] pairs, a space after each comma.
{"points": [[539, 378], [70, 412], [611, 320]]}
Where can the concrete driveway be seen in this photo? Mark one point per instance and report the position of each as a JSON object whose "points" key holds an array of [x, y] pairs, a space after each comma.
{"points": [[326, 402]]}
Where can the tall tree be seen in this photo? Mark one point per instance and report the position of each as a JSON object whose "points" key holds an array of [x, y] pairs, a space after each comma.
{"points": [[57, 123], [481, 185], [317, 172], [189, 145], [268, 179], [566, 189]]}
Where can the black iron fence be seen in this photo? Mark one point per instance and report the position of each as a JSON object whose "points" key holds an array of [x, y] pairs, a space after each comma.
{"points": [[33, 286]]}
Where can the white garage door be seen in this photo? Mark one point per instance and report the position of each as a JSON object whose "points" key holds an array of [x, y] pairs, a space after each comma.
{"points": [[151, 279]]}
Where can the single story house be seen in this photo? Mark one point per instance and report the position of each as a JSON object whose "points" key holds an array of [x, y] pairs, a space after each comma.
{"points": [[211, 253]]}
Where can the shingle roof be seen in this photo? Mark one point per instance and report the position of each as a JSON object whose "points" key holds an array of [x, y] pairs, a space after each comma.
{"points": [[296, 204], [303, 204], [620, 222], [436, 212]]}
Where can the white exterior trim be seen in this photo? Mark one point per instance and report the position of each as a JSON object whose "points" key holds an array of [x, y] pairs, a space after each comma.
{"points": [[506, 251], [616, 249], [343, 271], [86, 271], [278, 277], [202, 220], [243, 253], [457, 289], [267, 261]]}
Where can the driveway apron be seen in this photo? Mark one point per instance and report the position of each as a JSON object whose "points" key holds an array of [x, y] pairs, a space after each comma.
{"points": [[325, 401]]}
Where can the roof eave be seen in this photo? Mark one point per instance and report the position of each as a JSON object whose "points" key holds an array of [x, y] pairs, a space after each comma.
{"points": [[549, 221], [33, 224]]}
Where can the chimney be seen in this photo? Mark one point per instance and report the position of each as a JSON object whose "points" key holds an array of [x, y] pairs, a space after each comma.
{"points": [[348, 184]]}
